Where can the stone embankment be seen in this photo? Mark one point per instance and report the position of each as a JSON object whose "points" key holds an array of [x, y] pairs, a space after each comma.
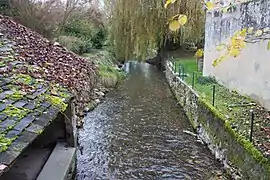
{"points": [[239, 156]]}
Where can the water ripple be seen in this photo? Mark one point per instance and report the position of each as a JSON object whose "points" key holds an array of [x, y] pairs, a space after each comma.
{"points": [[137, 133]]}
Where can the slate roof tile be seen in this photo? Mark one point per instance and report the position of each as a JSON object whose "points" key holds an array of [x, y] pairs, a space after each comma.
{"points": [[28, 98]]}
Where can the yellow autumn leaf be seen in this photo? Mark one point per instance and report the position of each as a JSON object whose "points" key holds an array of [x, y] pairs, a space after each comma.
{"points": [[182, 19], [234, 42], [234, 52], [225, 9], [242, 44], [174, 25], [250, 30], [175, 17], [268, 45], [218, 60], [220, 47], [258, 32], [209, 5], [243, 32], [168, 2], [215, 62]]}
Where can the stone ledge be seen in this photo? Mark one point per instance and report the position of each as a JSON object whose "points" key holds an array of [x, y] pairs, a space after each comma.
{"points": [[59, 163]]}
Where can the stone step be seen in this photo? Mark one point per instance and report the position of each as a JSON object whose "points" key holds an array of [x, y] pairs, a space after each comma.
{"points": [[59, 163]]}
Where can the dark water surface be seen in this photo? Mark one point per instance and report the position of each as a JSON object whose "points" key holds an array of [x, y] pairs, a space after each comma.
{"points": [[137, 133]]}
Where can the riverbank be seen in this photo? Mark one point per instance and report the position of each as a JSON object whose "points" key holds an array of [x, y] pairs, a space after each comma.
{"points": [[220, 123], [109, 75]]}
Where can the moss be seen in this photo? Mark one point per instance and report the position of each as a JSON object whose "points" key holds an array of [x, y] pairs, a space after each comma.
{"points": [[57, 102], [56, 89], [64, 95], [39, 131], [2, 64], [4, 143], [13, 87], [205, 99], [13, 111], [17, 95], [23, 79], [248, 146], [91, 105]]}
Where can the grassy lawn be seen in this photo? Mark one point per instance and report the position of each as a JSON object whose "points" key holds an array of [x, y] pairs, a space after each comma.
{"points": [[234, 107], [190, 66]]}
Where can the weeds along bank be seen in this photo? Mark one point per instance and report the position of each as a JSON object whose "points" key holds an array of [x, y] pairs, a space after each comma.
{"points": [[109, 75]]}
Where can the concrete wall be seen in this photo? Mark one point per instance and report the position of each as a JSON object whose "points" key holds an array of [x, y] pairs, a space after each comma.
{"points": [[248, 73]]}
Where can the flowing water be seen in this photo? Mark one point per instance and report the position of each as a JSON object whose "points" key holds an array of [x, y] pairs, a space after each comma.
{"points": [[137, 133]]}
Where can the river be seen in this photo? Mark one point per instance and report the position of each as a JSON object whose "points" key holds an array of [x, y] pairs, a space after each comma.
{"points": [[138, 133]]}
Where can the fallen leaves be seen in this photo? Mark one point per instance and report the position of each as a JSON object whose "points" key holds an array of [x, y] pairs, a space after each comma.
{"points": [[50, 61]]}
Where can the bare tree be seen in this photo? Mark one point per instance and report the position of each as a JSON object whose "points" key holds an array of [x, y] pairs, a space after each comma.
{"points": [[70, 7]]}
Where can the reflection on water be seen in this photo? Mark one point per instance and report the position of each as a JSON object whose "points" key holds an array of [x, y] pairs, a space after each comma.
{"points": [[137, 133]]}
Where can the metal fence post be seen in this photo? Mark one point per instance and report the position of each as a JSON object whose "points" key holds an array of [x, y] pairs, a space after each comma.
{"points": [[214, 93], [183, 73], [179, 70], [251, 125], [193, 79]]}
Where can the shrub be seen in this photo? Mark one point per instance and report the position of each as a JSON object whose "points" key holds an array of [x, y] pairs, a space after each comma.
{"points": [[109, 76], [99, 38], [75, 44], [85, 30], [79, 28]]}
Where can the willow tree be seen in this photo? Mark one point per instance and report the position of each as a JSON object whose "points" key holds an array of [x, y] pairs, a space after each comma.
{"points": [[140, 26]]}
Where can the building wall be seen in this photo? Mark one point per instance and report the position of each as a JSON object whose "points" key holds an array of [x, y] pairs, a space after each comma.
{"points": [[249, 73]]}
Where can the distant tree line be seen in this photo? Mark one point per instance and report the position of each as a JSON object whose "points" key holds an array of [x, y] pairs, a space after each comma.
{"points": [[76, 24]]}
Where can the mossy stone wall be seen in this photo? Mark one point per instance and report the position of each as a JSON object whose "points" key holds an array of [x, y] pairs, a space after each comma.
{"points": [[236, 153]]}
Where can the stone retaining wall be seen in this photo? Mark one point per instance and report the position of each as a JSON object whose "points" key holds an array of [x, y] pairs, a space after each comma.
{"points": [[236, 153]]}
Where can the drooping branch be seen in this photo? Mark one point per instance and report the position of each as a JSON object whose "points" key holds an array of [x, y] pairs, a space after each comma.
{"points": [[141, 26]]}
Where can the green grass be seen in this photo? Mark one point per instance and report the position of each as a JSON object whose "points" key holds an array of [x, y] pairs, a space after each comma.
{"points": [[231, 107], [234, 106], [101, 57], [189, 65]]}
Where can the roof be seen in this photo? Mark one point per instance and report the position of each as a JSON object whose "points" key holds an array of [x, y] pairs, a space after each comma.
{"points": [[51, 61], [27, 104]]}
